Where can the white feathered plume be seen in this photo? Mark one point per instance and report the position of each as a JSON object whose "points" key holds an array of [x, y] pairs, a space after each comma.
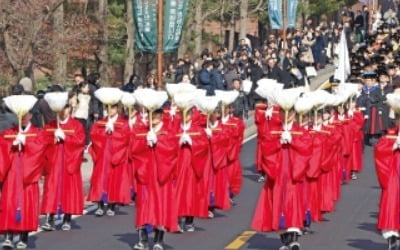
{"points": [[394, 102], [304, 104], [20, 104], [207, 104], [266, 82], [108, 96], [320, 98], [286, 98], [150, 98], [227, 97], [185, 101], [56, 100], [267, 90], [174, 89], [128, 100]]}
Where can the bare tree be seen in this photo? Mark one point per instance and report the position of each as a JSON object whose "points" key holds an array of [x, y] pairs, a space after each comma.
{"points": [[244, 7], [21, 23], [101, 56], [130, 56], [60, 55]]}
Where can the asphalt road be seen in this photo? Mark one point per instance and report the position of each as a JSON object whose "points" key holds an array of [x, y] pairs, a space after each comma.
{"points": [[352, 226]]}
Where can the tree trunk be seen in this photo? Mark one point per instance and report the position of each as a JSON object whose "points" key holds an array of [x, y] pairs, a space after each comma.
{"points": [[60, 55], [102, 56], [186, 37], [232, 30], [130, 54], [244, 5], [198, 28]]}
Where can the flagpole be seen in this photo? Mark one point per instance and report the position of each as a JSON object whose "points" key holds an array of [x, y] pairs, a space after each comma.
{"points": [[160, 41]]}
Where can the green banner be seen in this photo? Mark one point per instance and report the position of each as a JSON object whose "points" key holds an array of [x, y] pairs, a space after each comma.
{"points": [[174, 18], [145, 16]]}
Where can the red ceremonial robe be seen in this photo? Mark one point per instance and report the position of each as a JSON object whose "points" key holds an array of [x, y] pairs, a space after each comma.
{"points": [[312, 191], [63, 189], [263, 127], [328, 178], [192, 177], [344, 167], [236, 131], [110, 178], [19, 203], [219, 175], [357, 124], [280, 205], [156, 202], [137, 127], [387, 164], [173, 120]]}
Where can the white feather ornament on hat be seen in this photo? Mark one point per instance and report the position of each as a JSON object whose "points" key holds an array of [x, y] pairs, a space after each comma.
{"points": [[199, 92], [108, 96], [394, 101], [227, 97], [185, 101], [20, 105], [320, 98], [266, 81], [128, 99], [286, 98], [267, 91], [56, 100], [207, 104], [150, 98], [173, 89], [304, 104]]}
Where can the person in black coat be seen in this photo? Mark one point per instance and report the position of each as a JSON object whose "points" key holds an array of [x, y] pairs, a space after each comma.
{"points": [[371, 102], [204, 78], [240, 105], [255, 73], [217, 79], [285, 65], [274, 72], [301, 65], [95, 106]]}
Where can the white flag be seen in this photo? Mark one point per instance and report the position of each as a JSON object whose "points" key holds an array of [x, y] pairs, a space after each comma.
{"points": [[343, 67]]}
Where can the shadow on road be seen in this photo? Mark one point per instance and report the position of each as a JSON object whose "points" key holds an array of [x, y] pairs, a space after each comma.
{"points": [[131, 238], [371, 227], [366, 244], [261, 241]]}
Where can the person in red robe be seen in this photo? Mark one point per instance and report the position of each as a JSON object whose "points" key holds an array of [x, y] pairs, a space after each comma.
{"points": [[136, 126], [19, 202], [236, 128], [110, 182], [313, 192], [328, 178], [63, 188], [220, 142], [286, 153], [193, 166], [387, 162], [266, 118], [154, 153], [357, 121]]}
